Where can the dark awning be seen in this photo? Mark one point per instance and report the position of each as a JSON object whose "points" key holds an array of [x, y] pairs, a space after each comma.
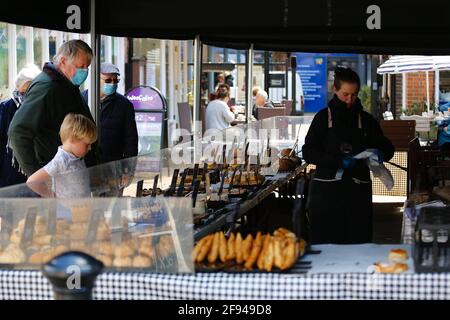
{"points": [[62, 15], [287, 25]]}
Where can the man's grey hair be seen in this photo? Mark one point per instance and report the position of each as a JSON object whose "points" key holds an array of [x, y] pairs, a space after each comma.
{"points": [[71, 49], [27, 74], [262, 94]]}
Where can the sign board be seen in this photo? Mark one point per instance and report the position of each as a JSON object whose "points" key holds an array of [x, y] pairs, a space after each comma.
{"points": [[313, 73], [277, 80], [150, 114]]}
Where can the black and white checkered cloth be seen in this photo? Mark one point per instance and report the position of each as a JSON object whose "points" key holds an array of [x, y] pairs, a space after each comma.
{"points": [[32, 285]]}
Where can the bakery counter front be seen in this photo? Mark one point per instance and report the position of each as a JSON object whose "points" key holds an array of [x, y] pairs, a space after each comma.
{"points": [[326, 272]]}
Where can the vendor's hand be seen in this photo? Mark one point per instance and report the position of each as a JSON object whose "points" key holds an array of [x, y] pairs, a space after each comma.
{"points": [[380, 155], [447, 129], [348, 162]]}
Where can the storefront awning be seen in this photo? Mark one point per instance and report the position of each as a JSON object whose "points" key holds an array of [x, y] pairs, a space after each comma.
{"points": [[375, 26]]}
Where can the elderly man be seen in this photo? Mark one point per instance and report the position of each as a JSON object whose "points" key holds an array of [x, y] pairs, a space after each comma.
{"points": [[261, 101], [34, 130], [9, 171], [118, 135]]}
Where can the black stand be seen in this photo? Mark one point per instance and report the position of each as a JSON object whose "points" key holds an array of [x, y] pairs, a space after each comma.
{"points": [[72, 275]]}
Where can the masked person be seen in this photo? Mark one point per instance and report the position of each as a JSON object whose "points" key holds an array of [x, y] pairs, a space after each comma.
{"points": [[118, 132], [340, 207], [9, 171], [34, 130]]}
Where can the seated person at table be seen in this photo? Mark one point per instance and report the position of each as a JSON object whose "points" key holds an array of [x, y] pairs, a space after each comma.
{"points": [[218, 114], [77, 134], [261, 102], [444, 135]]}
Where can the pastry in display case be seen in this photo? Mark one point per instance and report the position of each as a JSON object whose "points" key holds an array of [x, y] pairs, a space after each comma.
{"points": [[154, 234]]}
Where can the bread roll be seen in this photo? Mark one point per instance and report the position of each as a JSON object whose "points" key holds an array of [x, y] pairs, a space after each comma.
{"points": [[260, 262], [122, 262], [247, 247], [42, 240], [231, 249], [81, 213], [103, 248], [238, 249], [398, 255], [106, 260], [254, 254], [126, 249], [214, 252], [222, 247], [12, 254], [390, 268], [103, 232], [40, 228], [197, 248], [204, 250], [41, 257], [142, 262], [78, 231]]}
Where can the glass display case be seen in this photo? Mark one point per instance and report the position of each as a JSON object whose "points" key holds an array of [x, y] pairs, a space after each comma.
{"points": [[105, 210], [153, 234]]}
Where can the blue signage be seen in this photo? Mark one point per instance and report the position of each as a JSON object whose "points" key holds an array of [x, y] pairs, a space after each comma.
{"points": [[312, 69]]}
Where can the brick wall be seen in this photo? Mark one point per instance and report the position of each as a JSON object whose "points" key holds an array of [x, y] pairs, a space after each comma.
{"points": [[416, 87]]}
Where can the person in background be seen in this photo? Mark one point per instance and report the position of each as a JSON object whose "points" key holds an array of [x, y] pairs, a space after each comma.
{"points": [[9, 169], [77, 133], [261, 102], [54, 93], [340, 209], [118, 132], [218, 114]]}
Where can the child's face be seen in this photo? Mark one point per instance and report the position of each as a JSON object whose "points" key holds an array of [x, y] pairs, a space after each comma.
{"points": [[80, 147]]}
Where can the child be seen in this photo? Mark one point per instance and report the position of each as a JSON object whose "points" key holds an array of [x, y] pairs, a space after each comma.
{"points": [[77, 133]]}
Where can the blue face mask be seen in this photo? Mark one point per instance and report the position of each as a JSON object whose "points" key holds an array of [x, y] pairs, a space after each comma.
{"points": [[80, 76], [109, 88]]}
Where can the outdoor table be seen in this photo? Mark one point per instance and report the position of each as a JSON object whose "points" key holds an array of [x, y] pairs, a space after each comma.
{"points": [[338, 272]]}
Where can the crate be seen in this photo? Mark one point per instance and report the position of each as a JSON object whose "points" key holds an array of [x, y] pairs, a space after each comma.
{"points": [[431, 240]]}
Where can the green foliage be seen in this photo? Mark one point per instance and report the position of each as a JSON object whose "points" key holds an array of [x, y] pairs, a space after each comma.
{"points": [[365, 97], [416, 108]]}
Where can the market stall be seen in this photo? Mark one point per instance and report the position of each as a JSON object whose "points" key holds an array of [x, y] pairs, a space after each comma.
{"points": [[168, 205]]}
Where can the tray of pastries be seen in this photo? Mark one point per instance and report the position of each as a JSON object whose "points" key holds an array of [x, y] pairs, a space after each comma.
{"points": [[274, 252], [37, 238]]}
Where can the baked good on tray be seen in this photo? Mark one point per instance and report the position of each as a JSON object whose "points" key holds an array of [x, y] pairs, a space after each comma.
{"points": [[264, 251]]}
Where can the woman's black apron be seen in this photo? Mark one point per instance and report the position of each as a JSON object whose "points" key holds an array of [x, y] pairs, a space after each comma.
{"points": [[340, 210]]}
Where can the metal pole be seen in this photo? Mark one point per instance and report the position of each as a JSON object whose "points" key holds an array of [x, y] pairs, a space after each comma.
{"points": [[29, 39], [294, 84], [197, 80], [12, 57], [250, 56], [94, 97], [428, 90], [108, 49], [162, 67], [120, 62], [185, 71], [45, 46], [59, 39], [266, 70], [436, 87], [197, 127]]}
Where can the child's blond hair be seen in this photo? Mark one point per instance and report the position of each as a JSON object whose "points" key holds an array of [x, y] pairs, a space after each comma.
{"points": [[78, 127]]}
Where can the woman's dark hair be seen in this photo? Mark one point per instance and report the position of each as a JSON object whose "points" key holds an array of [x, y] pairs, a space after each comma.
{"points": [[223, 91], [347, 75]]}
